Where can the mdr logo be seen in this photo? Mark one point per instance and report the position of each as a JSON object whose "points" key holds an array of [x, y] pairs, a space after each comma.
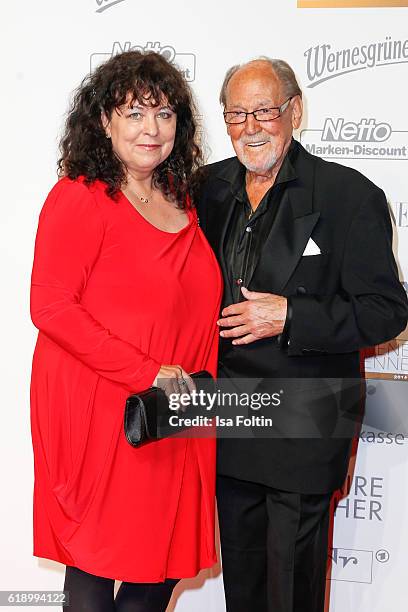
{"points": [[351, 565], [186, 62]]}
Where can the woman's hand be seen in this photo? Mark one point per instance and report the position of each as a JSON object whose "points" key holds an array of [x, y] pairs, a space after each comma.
{"points": [[173, 379]]}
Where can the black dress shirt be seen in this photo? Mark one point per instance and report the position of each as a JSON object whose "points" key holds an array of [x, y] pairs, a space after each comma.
{"points": [[248, 230]]}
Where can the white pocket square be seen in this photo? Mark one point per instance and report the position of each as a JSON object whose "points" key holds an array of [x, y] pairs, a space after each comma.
{"points": [[311, 248]]}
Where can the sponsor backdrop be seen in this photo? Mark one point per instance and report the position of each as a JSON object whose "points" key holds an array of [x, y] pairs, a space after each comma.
{"points": [[352, 64]]}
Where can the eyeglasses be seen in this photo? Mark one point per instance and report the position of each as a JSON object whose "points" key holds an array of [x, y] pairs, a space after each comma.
{"points": [[261, 114]]}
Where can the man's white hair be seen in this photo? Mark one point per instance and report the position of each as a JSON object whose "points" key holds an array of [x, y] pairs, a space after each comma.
{"points": [[282, 70]]}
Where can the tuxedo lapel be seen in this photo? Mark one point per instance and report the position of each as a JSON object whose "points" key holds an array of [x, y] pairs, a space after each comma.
{"points": [[290, 232], [291, 229], [283, 248]]}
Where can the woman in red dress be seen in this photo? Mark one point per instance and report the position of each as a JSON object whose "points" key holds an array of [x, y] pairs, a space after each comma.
{"points": [[123, 284]]}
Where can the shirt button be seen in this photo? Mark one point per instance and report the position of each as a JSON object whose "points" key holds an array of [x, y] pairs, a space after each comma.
{"points": [[239, 281], [248, 229]]}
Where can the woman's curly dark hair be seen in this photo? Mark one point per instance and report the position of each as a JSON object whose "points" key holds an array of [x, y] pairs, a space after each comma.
{"points": [[86, 151]]}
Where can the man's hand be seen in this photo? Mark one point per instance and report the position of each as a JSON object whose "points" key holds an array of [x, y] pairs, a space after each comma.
{"points": [[263, 315]]}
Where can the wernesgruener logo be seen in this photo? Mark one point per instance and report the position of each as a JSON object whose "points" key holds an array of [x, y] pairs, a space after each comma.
{"points": [[103, 5], [364, 139], [186, 62], [324, 63]]}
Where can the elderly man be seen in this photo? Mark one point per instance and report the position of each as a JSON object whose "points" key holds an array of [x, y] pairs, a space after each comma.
{"points": [[310, 278]]}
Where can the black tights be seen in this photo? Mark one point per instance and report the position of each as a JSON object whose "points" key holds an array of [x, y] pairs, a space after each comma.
{"points": [[89, 593]]}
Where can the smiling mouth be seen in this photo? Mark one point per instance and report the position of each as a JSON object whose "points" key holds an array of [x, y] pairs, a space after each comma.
{"points": [[257, 144], [149, 146]]}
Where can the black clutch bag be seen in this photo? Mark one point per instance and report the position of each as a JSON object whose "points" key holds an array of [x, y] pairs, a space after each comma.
{"points": [[147, 414]]}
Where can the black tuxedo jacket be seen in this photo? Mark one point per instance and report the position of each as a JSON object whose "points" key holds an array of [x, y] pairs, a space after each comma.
{"points": [[343, 299]]}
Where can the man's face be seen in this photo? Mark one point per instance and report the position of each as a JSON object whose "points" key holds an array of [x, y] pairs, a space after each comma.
{"points": [[260, 145]]}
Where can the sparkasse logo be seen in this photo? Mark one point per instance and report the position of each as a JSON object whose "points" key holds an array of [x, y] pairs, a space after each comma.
{"points": [[365, 139]]}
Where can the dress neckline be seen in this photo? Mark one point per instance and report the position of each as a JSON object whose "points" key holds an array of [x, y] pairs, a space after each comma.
{"points": [[128, 203]]}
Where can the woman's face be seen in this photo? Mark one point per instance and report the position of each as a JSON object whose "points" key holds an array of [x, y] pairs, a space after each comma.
{"points": [[142, 134]]}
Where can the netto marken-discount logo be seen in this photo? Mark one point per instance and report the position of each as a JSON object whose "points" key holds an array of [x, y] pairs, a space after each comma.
{"points": [[323, 64], [103, 5], [365, 139], [186, 62]]}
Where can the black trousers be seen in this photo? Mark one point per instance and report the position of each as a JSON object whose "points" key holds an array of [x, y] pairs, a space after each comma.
{"points": [[273, 546]]}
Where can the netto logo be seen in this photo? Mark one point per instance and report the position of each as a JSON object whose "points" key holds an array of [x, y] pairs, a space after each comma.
{"points": [[322, 64], [366, 139], [365, 131], [103, 5], [186, 62]]}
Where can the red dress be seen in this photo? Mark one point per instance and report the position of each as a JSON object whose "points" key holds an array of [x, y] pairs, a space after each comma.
{"points": [[114, 298]]}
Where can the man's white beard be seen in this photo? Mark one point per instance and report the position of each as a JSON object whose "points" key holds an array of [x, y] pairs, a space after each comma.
{"points": [[259, 167]]}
